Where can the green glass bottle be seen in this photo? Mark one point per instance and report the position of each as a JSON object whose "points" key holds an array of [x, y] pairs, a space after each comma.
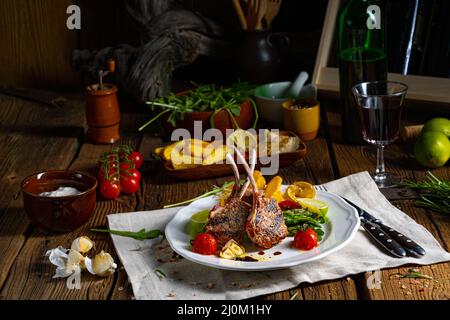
{"points": [[362, 57]]}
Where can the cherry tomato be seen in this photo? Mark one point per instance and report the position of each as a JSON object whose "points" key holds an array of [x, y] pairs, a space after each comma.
{"points": [[135, 174], [136, 158], [205, 244], [109, 190], [112, 175], [129, 184], [124, 166], [305, 240], [288, 205]]}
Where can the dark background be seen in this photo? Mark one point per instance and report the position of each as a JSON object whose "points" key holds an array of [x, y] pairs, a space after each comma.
{"points": [[35, 45]]}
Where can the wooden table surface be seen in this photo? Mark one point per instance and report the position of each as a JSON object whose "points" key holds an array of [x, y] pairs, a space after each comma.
{"points": [[35, 137]]}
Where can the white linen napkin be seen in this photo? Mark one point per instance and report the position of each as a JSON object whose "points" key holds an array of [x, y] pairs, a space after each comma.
{"points": [[156, 273]]}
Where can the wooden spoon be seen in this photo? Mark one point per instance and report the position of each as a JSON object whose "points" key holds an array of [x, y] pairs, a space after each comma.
{"points": [[256, 9], [273, 7], [261, 10], [240, 13]]}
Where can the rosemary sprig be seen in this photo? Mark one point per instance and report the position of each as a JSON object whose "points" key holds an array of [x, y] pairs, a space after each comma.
{"points": [[214, 191], [412, 274], [434, 193]]}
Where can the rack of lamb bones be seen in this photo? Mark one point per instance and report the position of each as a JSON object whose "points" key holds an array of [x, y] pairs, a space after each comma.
{"points": [[262, 220]]}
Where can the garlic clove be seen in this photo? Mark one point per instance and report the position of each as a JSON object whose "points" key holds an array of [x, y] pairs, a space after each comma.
{"points": [[82, 244], [58, 256], [232, 250], [75, 259], [67, 261], [102, 265]]}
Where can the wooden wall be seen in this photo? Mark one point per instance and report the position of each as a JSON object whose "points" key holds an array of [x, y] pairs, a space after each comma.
{"points": [[35, 45]]}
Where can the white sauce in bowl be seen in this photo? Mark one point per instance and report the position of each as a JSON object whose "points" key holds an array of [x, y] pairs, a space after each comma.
{"points": [[61, 192]]}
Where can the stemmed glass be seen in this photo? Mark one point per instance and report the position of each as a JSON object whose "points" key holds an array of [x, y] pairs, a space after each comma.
{"points": [[380, 107]]}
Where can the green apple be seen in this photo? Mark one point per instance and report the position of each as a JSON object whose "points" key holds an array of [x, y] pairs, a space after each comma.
{"points": [[432, 149]]}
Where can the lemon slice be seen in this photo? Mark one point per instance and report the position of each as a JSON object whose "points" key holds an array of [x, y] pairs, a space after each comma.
{"points": [[197, 223], [313, 205], [301, 189], [273, 187]]}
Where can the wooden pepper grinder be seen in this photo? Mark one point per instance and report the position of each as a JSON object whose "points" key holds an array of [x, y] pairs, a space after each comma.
{"points": [[102, 109]]}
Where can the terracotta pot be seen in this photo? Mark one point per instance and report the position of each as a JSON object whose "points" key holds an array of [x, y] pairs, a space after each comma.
{"points": [[222, 120], [102, 114]]}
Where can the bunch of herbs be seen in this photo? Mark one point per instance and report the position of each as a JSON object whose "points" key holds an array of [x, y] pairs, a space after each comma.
{"points": [[202, 98]]}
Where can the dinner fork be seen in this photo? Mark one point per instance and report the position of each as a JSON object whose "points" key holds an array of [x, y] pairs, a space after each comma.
{"points": [[391, 240]]}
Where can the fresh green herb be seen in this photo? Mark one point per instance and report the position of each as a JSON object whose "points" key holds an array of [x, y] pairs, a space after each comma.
{"points": [[160, 274], [301, 219], [140, 235], [213, 192], [413, 274], [434, 193], [204, 98]]}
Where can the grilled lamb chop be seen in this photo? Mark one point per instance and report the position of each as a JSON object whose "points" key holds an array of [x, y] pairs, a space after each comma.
{"points": [[228, 222], [265, 224]]}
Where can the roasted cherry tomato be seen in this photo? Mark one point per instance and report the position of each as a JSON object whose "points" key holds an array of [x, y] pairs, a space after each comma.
{"points": [[109, 190], [205, 244], [129, 184], [305, 240], [288, 205], [136, 158]]}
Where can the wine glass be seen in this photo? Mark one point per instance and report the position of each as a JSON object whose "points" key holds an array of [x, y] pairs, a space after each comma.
{"points": [[380, 108]]}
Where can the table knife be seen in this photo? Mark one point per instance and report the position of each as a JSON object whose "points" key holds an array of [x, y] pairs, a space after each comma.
{"points": [[386, 242], [411, 247]]}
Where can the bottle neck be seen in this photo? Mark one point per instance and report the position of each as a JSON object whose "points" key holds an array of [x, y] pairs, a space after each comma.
{"points": [[361, 28]]}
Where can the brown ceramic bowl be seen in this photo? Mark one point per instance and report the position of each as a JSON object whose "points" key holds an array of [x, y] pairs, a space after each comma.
{"points": [[60, 214]]}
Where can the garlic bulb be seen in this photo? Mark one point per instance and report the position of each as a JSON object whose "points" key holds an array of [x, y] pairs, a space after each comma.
{"points": [[102, 265], [82, 244]]}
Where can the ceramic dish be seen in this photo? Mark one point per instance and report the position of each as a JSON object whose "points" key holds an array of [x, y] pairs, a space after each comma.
{"points": [[342, 226]]}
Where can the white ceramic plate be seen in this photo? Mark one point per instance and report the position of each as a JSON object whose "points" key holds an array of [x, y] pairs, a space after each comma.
{"points": [[342, 226]]}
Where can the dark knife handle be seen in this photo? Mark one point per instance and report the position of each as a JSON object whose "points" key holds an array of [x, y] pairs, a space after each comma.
{"points": [[386, 242], [410, 246]]}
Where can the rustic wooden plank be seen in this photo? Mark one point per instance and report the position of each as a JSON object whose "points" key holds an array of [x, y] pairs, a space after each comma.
{"points": [[159, 189], [36, 45], [29, 143], [353, 159], [30, 276], [122, 288]]}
